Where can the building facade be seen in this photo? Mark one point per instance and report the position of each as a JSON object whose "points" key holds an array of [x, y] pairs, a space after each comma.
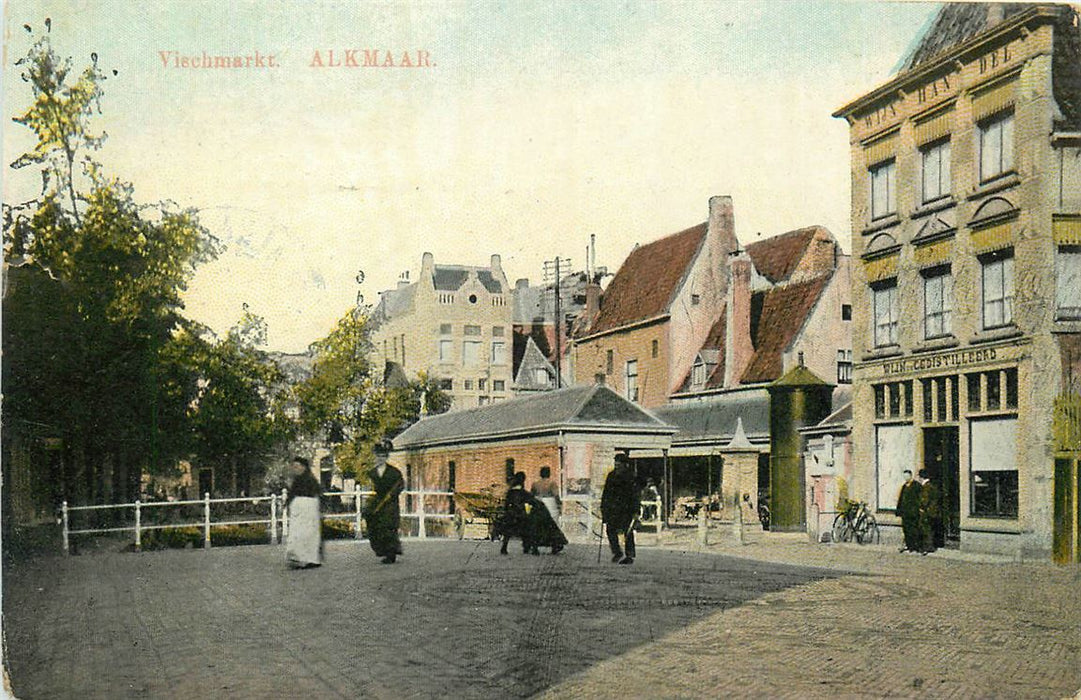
{"points": [[966, 219], [452, 324]]}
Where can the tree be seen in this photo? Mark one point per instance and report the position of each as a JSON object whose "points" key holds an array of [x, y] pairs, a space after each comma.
{"points": [[349, 406], [99, 294]]}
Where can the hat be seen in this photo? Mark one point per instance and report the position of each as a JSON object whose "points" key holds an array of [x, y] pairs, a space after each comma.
{"points": [[622, 458], [383, 446], [300, 460]]}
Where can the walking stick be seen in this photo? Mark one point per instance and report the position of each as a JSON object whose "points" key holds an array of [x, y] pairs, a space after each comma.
{"points": [[600, 542]]}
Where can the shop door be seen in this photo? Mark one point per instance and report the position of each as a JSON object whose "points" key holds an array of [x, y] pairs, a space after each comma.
{"points": [[941, 459], [1067, 535]]}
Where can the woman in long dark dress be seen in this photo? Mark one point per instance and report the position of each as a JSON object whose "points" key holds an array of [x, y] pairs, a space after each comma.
{"points": [[545, 531], [516, 521]]}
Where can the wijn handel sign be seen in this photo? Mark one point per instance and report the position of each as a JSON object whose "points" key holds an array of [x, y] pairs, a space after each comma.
{"points": [[961, 358]]}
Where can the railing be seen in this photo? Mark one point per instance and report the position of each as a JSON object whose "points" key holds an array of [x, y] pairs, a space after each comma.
{"points": [[277, 514]]}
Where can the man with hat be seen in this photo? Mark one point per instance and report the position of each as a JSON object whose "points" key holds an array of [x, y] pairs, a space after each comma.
{"points": [[619, 506], [381, 513]]}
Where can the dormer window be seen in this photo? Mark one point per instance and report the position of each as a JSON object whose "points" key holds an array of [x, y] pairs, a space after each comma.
{"points": [[698, 374]]}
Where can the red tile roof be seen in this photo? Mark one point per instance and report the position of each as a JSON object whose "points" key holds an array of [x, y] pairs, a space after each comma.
{"points": [[784, 312], [648, 279], [714, 341], [777, 257]]}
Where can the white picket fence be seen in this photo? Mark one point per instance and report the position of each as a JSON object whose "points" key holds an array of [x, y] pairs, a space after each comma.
{"points": [[276, 514]]}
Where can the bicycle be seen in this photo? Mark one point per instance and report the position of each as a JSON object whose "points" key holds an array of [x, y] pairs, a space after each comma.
{"points": [[855, 522]]}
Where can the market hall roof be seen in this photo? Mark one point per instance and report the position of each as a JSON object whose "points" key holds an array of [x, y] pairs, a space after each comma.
{"points": [[649, 279], [586, 408], [713, 419]]}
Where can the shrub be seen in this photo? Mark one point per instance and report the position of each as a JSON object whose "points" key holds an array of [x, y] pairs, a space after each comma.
{"points": [[172, 538]]}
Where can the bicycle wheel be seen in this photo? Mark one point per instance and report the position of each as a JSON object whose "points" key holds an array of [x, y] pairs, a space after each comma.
{"points": [[867, 530], [840, 532]]}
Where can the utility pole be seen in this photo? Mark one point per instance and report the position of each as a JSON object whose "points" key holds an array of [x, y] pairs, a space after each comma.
{"points": [[552, 268]]}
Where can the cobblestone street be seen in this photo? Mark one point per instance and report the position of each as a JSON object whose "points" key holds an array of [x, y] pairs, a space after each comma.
{"points": [[777, 618]]}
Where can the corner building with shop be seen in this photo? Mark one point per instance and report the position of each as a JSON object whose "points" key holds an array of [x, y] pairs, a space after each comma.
{"points": [[966, 221]]}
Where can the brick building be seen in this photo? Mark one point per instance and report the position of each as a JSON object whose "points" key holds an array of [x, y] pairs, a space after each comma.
{"points": [[452, 324], [966, 219]]}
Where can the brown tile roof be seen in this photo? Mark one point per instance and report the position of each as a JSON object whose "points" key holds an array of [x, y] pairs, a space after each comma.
{"points": [[777, 257], [956, 23], [648, 279], [714, 341], [784, 310]]}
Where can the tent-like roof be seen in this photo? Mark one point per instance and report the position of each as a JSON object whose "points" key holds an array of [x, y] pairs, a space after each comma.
{"points": [[591, 408]]}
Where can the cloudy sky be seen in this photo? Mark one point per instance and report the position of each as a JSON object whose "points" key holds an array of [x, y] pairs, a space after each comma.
{"points": [[535, 125]]}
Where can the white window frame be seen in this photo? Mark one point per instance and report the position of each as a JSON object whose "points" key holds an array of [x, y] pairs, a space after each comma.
{"points": [[471, 353], [446, 350], [886, 314], [631, 377], [996, 146], [541, 376], [1068, 282], [883, 189], [996, 275], [499, 352], [698, 373], [937, 303], [935, 170]]}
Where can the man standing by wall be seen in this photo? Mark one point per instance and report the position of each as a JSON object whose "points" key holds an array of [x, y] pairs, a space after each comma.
{"points": [[908, 507], [619, 506]]}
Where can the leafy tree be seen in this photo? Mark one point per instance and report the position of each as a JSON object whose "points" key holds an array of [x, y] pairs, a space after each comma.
{"points": [[97, 298]]}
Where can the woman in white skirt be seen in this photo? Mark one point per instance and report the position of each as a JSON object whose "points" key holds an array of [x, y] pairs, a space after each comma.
{"points": [[304, 546]]}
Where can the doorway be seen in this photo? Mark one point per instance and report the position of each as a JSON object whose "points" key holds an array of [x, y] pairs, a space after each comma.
{"points": [[941, 459]]}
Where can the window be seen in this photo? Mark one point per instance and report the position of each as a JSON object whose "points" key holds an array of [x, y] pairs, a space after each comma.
{"points": [[1068, 282], [844, 366], [468, 385], [510, 468], [940, 399], [497, 331], [895, 451], [996, 146], [482, 384], [471, 353], [997, 290], [882, 190], [540, 376], [698, 373], [886, 313], [655, 348], [444, 329], [994, 390], [846, 312], [482, 400], [499, 352], [632, 380], [696, 299], [608, 363], [993, 447], [472, 330], [446, 350], [499, 385], [446, 384], [937, 302], [936, 170], [893, 400]]}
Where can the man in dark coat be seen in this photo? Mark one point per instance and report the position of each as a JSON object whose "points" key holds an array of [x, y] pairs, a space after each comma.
{"points": [[930, 514], [908, 507], [619, 506], [516, 521], [381, 513]]}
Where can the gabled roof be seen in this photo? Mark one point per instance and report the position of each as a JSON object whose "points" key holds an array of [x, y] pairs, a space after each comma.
{"points": [[785, 310], [649, 279], [450, 278], [574, 409], [714, 419], [533, 359], [956, 23], [777, 257]]}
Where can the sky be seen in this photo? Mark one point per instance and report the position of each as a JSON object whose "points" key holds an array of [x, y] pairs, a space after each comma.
{"points": [[533, 126]]}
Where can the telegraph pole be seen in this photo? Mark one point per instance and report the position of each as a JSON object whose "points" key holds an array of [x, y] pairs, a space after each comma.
{"points": [[553, 267]]}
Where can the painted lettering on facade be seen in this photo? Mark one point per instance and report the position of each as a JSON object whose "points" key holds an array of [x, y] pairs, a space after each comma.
{"points": [[933, 362]]}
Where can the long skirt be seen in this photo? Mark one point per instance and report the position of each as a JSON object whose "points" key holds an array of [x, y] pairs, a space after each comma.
{"points": [[544, 530], [304, 546], [383, 534]]}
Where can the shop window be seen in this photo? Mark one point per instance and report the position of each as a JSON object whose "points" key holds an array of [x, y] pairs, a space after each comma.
{"points": [[996, 146], [895, 451], [993, 447], [997, 274], [883, 186], [893, 400], [886, 314], [935, 159], [937, 302], [1068, 282], [973, 392], [994, 390]]}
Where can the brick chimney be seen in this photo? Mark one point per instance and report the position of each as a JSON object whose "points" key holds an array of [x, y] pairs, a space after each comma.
{"points": [[738, 347], [593, 303]]}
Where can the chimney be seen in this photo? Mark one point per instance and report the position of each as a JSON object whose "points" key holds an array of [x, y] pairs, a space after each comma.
{"points": [[721, 229], [738, 347], [497, 264], [427, 270], [521, 283]]}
